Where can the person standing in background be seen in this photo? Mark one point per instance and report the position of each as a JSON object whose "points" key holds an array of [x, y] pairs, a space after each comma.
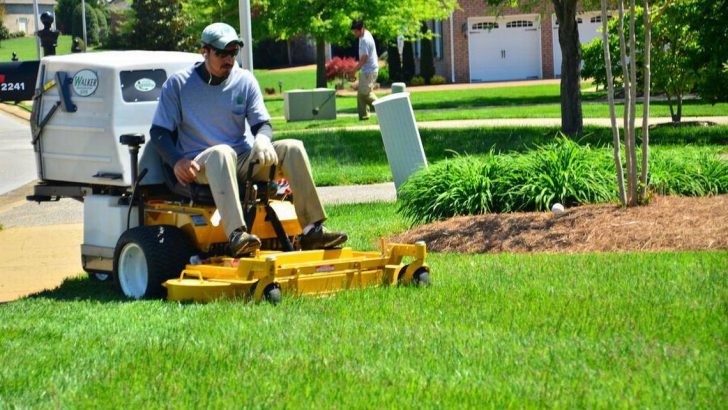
{"points": [[368, 66]]}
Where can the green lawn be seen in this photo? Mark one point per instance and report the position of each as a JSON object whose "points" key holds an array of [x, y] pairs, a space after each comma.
{"points": [[534, 101], [357, 157], [25, 48], [494, 331], [289, 80]]}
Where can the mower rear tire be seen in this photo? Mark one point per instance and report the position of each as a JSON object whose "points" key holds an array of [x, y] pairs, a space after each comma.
{"points": [[147, 256]]}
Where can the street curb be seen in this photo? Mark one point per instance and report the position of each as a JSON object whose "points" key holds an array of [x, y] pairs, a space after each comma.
{"points": [[15, 110]]}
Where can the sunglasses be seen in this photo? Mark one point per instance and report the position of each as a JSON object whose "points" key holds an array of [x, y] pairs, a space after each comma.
{"points": [[225, 53]]}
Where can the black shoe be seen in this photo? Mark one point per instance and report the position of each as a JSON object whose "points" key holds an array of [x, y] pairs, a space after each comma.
{"points": [[242, 243], [321, 238]]}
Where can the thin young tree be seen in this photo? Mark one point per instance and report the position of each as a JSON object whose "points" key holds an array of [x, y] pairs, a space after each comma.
{"points": [[636, 191], [612, 112], [646, 102]]}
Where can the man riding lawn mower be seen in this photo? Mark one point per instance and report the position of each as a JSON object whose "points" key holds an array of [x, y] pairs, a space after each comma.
{"points": [[179, 225]]}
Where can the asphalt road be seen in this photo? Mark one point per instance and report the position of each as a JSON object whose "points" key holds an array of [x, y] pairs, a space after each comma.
{"points": [[17, 160]]}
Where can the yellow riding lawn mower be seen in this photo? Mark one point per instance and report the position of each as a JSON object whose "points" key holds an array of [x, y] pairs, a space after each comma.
{"points": [[150, 234]]}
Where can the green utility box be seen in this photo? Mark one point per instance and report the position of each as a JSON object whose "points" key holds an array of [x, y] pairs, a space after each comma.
{"points": [[316, 104]]}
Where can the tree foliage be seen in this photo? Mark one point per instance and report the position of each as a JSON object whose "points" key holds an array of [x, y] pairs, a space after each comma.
{"points": [[675, 45], [330, 20], [707, 19], [159, 25], [92, 24], [64, 15]]}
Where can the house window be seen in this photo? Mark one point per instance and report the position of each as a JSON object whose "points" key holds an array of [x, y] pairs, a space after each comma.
{"points": [[485, 26], [437, 47], [519, 23], [23, 24]]}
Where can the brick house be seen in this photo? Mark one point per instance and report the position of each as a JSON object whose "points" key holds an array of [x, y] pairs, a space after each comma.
{"points": [[19, 14], [516, 45]]}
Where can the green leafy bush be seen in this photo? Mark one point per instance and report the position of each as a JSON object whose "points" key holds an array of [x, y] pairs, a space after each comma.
{"points": [[688, 172], [417, 80], [460, 186], [562, 171], [383, 75], [437, 80]]}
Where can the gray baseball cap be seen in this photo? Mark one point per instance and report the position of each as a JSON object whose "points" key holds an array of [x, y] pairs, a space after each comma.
{"points": [[219, 35]]}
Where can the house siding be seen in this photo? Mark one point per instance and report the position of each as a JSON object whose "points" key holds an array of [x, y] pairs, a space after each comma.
{"points": [[15, 11]]}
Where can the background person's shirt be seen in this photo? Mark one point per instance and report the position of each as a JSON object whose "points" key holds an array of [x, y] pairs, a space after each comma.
{"points": [[367, 46], [205, 115]]}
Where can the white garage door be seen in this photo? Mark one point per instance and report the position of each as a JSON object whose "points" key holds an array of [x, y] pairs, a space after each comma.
{"points": [[508, 48], [589, 28]]}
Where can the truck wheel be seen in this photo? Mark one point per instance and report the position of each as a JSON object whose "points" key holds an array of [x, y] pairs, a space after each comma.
{"points": [[147, 256]]}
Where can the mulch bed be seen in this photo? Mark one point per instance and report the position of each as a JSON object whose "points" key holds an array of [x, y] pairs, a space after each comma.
{"points": [[667, 223]]}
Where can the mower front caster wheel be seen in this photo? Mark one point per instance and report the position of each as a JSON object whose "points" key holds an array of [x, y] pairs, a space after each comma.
{"points": [[272, 294], [421, 277]]}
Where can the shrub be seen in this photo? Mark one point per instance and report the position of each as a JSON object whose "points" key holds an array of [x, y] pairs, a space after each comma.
{"points": [[688, 172], [427, 62], [562, 171], [460, 186], [417, 80], [4, 32], [437, 80], [394, 63], [17, 34], [408, 62], [383, 76], [341, 69]]}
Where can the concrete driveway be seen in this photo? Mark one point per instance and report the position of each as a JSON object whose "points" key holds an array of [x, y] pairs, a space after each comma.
{"points": [[17, 160]]}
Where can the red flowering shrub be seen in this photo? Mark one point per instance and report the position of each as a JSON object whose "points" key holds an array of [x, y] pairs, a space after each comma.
{"points": [[341, 69]]}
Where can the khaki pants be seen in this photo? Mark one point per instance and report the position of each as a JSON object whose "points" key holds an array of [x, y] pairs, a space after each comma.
{"points": [[365, 94], [221, 168]]}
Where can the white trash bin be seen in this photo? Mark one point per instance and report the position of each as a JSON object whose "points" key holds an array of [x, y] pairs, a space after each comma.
{"points": [[400, 135]]}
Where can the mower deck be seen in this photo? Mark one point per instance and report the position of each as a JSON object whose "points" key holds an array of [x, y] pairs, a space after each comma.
{"points": [[267, 274]]}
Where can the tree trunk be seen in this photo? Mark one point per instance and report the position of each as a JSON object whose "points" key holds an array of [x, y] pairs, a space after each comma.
{"points": [[320, 62], [670, 105], [646, 104], [633, 186], [571, 116], [612, 113], [626, 77], [678, 117]]}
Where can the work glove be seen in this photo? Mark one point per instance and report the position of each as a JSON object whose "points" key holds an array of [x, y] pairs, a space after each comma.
{"points": [[263, 151]]}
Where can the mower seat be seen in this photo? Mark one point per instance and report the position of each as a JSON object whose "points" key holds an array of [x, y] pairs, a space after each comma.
{"points": [[198, 193]]}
